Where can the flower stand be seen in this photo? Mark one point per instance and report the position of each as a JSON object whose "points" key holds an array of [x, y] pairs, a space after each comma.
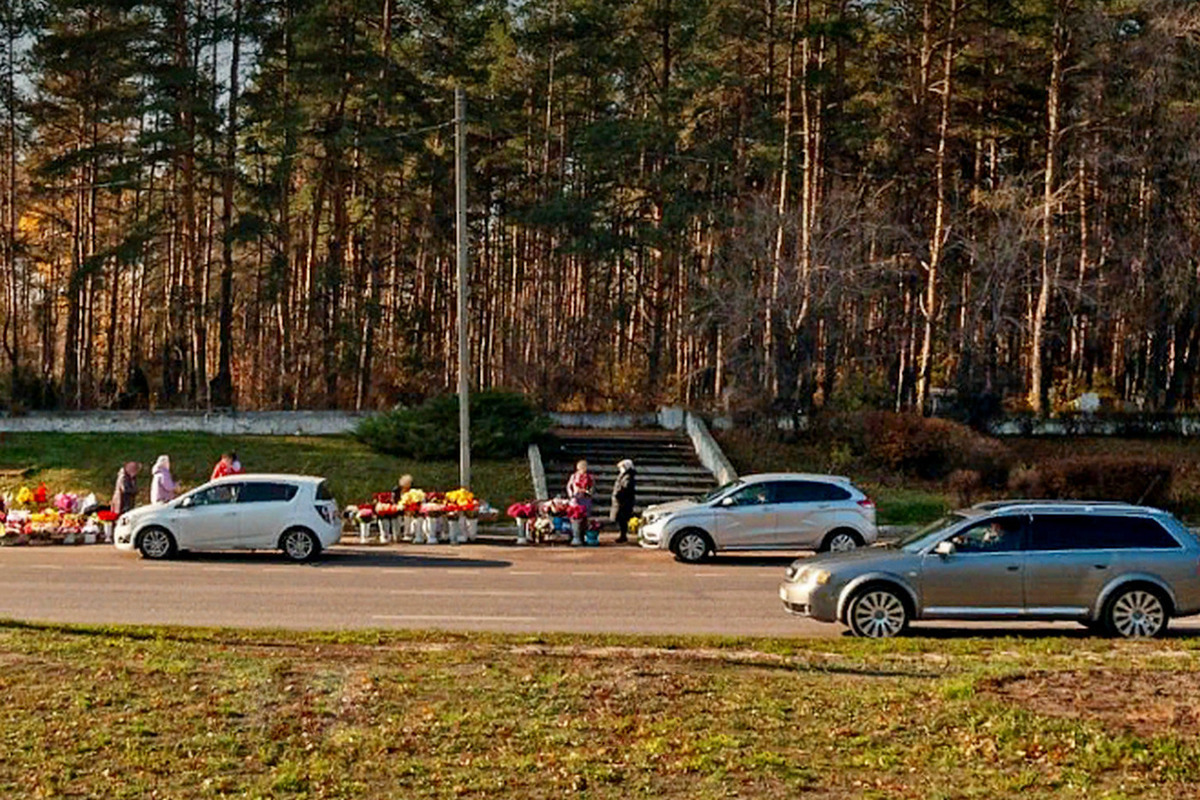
{"points": [[576, 532], [470, 528], [89, 537], [432, 524], [385, 530], [522, 525], [107, 533], [364, 532], [456, 534]]}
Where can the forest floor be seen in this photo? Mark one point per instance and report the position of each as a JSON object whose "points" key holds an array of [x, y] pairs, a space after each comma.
{"points": [[906, 500], [161, 712], [89, 462]]}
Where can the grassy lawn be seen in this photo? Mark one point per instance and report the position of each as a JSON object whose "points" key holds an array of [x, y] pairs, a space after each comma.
{"points": [[89, 462], [136, 713]]}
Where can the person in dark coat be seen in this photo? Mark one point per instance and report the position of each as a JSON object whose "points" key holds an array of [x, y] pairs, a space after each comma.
{"points": [[624, 495], [125, 494]]}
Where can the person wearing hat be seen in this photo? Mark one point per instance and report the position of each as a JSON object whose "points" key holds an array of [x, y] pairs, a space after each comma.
{"points": [[125, 494], [624, 495]]}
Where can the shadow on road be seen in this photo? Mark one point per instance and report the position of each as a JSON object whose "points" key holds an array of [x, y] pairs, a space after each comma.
{"points": [[755, 560], [335, 559]]}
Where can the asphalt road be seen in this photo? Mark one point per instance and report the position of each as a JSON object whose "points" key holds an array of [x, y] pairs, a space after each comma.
{"points": [[472, 587]]}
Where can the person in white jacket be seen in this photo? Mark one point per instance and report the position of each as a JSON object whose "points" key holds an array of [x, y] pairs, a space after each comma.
{"points": [[162, 486]]}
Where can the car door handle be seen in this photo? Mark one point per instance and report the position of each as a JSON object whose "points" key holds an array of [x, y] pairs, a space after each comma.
{"points": [[1013, 567], [1100, 566]]}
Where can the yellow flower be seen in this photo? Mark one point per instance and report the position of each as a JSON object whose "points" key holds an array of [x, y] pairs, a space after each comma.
{"points": [[24, 496]]}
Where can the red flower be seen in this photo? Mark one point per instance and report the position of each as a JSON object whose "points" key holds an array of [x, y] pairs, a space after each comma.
{"points": [[39, 496], [107, 516], [576, 511], [520, 510]]}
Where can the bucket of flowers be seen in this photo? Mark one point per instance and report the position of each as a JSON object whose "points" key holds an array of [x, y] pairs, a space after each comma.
{"points": [[90, 532], [72, 528], [106, 518], [591, 535], [387, 512], [522, 513], [44, 526], [364, 515], [577, 514], [16, 527], [433, 510], [410, 503], [468, 512]]}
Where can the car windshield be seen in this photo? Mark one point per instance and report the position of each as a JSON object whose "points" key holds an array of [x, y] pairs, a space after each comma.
{"points": [[720, 491], [919, 539]]}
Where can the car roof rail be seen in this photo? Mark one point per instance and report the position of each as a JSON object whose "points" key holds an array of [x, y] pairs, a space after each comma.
{"points": [[995, 505]]}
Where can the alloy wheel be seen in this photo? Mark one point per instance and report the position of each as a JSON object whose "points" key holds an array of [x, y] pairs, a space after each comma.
{"points": [[156, 543], [1138, 614], [298, 545], [878, 614]]}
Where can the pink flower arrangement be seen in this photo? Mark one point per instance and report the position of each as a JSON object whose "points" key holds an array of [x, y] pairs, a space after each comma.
{"points": [[521, 510], [576, 511]]}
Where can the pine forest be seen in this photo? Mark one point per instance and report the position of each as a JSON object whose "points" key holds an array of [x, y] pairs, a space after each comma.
{"points": [[728, 204]]}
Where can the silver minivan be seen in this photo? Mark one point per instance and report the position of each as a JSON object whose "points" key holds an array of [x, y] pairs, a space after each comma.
{"points": [[1121, 569]]}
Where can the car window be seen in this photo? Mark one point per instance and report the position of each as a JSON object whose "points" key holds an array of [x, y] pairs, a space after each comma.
{"points": [[1096, 532], [809, 492], [267, 492], [756, 494], [323, 492], [996, 535], [216, 495]]}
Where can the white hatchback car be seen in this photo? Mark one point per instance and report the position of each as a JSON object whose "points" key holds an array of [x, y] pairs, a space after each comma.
{"points": [[293, 513], [776, 511]]}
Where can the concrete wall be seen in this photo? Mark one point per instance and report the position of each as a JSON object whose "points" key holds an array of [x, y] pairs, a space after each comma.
{"points": [[266, 423], [708, 451]]}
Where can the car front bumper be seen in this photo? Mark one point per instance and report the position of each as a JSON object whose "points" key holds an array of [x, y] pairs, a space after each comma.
{"points": [[809, 600], [651, 536]]}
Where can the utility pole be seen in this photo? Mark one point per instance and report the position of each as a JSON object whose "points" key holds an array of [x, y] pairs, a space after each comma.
{"points": [[460, 225]]}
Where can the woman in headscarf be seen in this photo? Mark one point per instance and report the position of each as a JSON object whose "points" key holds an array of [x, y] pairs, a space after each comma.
{"points": [[624, 495], [162, 484], [125, 495]]}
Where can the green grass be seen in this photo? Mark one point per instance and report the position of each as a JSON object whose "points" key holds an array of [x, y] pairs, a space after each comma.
{"points": [[89, 462], [141, 712]]}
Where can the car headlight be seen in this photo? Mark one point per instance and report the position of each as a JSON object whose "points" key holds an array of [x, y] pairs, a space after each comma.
{"points": [[817, 577]]}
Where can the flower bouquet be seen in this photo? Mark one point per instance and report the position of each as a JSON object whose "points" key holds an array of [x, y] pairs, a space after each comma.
{"points": [[522, 512], [66, 502], [90, 531], [44, 526], [41, 494], [467, 507], [24, 496], [72, 529]]}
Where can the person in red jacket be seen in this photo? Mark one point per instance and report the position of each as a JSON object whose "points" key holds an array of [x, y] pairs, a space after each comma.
{"points": [[224, 467]]}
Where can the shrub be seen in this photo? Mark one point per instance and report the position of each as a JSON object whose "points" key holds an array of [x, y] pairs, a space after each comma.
{"points": [[503, 424], [966, 484], [929, 448], [1125, 478]]}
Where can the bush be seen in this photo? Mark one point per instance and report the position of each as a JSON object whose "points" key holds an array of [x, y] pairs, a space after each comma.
{"points": [[966, 485], [503, 424], [929, 448], [1125, 478]]}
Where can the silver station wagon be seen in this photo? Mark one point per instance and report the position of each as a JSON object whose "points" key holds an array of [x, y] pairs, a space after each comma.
{"points": [[1124, 570]]}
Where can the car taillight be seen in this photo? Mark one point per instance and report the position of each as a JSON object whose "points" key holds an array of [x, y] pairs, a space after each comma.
{"points": [[326, 514], [867, 502]]}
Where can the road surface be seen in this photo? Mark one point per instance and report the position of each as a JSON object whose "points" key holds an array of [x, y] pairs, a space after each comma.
{"points": [[473, 587]]}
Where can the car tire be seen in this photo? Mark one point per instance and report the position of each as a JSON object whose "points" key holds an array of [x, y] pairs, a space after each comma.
{"points": [[841, 540], [877, 612], [691, 546], [1138, 611], [299, 544], [157, 544]]}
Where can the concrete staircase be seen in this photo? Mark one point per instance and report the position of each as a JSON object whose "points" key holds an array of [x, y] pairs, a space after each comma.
{"points": [[666, 463]]}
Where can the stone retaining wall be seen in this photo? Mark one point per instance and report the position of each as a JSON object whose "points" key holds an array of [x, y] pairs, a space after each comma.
{"points": [[256, 423]]}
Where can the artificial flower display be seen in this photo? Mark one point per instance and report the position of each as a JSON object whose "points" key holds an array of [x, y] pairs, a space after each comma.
{"points": [[521, 510], [24, 496]]}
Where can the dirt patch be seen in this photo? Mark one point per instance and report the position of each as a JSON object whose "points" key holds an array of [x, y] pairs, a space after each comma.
{"points": [[1146, 703]]}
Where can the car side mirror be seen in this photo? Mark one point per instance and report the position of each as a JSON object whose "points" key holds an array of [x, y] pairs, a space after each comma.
{"points": [[726, 502], [944, 548], [187, 502]]}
